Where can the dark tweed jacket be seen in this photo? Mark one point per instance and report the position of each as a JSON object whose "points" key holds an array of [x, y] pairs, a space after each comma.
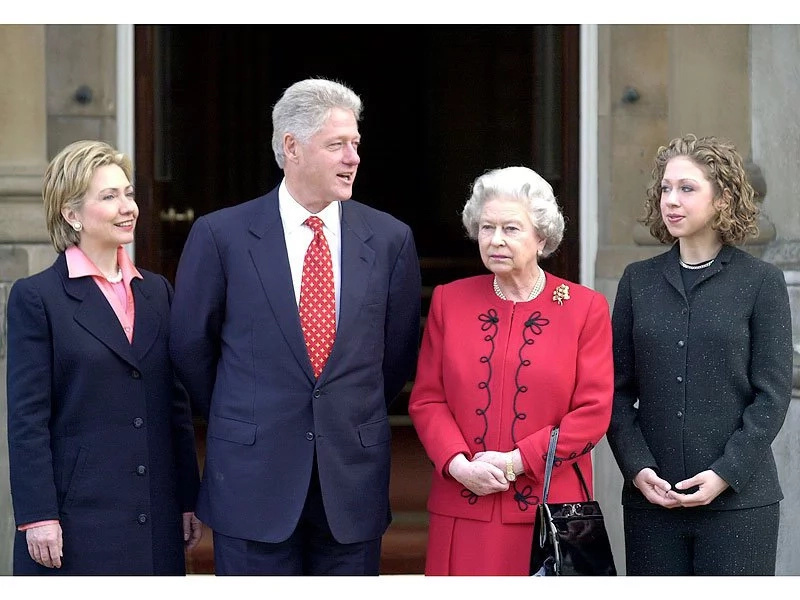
{"points": [[711, 370]]}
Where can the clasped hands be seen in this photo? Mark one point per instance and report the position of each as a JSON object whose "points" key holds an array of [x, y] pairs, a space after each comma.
{"points": [[485, 473], [659, 491]]}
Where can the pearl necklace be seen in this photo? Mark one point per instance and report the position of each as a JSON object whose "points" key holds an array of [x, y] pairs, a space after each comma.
{"points": [[697, 266], [115, 278], [537, 287]]}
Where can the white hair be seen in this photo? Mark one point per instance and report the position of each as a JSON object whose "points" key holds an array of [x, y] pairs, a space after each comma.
{"points": [[530, 189]]}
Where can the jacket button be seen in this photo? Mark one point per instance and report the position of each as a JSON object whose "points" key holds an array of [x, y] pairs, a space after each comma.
{"points": [[680, 414], [141, 470], [135, 374], [317, 393], [309, 436], [138, 422], [679, 378], [681, 344], [142, 518]]}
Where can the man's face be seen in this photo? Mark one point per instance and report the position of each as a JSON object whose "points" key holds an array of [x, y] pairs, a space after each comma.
{"points": [[323, 170]]}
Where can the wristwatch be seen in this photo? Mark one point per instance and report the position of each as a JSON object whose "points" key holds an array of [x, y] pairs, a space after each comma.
{"points": [[510, 475]]}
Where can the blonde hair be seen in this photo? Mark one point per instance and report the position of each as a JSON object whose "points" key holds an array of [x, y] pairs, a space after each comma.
{"points": [[737, 219], [67, 180]]}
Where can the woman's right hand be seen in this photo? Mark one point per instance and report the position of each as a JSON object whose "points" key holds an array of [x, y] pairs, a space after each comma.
{"points": [[655, 489], [479, 477], [45, 544]]}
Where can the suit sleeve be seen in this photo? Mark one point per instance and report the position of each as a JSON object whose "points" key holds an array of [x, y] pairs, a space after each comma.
{"points": [[401, 333], [29, 387], [770, 380], [428, 406], [198, 310], [586, 421], [183, 439], [624, 434]]}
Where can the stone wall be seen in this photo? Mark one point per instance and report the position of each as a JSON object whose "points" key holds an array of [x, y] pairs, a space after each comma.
{"points": [[57, 85], [775, 89], [736, 81]]}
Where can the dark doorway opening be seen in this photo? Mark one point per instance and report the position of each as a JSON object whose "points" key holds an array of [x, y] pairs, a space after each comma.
{"points": [[442, 104]]}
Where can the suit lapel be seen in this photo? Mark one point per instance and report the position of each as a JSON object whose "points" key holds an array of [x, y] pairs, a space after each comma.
{"points": [[672, 270], [147, 322], [272, 265], [723, 257], [95, 315], [357, 261]]}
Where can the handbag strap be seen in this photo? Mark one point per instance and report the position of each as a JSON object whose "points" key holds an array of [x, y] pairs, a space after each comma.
{"points": [[548, 468]]}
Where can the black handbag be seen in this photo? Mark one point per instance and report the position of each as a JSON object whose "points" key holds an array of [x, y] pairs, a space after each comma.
{"points": [[569, 538]]}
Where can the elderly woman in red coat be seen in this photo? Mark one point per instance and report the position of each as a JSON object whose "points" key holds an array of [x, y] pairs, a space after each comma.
{"points": [[506, 357]]}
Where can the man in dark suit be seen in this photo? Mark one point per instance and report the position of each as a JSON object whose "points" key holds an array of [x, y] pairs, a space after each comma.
{"points": [[294, 364]]}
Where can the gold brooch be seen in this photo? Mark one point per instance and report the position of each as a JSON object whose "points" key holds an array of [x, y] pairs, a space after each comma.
{"points": [[561, 293]]}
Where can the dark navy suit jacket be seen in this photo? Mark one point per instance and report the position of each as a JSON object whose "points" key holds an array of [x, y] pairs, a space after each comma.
{"points": [[238, 347], [99, 431]]}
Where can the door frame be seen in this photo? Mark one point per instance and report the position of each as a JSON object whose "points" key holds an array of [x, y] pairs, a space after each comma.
{"points": [[128, 108]]}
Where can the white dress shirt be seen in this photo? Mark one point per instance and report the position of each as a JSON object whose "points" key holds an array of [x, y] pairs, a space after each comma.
{"points": [[299, 236]]}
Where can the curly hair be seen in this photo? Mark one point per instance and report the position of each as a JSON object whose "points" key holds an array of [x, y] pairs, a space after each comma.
{"points": [[737, 219]]}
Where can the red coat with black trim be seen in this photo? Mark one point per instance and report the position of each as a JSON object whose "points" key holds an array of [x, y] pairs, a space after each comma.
{"points": [[495, 375]]}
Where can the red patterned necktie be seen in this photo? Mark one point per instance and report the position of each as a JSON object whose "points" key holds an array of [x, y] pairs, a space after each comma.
{"points": [[317, 298]]}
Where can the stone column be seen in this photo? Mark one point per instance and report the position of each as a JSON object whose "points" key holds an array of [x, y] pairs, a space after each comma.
{"points": [[24, 244], [775, 88]]}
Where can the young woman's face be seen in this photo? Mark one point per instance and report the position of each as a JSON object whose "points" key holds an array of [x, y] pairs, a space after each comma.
{"points": [[688, 203]]}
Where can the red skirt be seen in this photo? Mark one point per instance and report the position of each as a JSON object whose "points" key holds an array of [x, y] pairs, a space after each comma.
{"points": [[459, 546]]}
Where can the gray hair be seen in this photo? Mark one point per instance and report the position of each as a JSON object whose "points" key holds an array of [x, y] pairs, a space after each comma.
{"points": [[530, 189], [303, 109]]}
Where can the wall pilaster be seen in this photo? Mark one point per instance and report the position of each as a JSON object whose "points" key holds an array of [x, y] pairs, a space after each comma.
{"points": [[23, 237]]}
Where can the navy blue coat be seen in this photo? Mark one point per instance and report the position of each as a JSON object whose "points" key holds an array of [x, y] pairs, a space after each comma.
{"points": [[238, 348], [99, 432]]}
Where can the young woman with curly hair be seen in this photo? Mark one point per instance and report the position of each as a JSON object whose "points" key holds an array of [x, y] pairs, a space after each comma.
{"points": [[703, 375]]}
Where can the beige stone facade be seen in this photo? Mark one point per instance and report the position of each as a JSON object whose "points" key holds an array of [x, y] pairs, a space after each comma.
{"points": [[737, 81]]}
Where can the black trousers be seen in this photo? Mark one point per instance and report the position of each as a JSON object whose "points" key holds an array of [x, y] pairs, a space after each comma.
{"points": [[692, 541], [310, 550]]}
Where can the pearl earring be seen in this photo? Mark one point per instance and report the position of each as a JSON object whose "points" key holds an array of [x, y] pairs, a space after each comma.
{"points": [[77, 226]]}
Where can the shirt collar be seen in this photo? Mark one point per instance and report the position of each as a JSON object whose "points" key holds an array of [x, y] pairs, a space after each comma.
{"points": [[80, 265], [294, 214]]}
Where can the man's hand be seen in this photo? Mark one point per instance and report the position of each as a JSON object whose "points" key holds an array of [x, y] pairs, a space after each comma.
{"points": [[192, 530]]}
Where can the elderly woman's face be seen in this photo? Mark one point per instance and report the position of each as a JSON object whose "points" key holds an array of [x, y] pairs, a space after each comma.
{"points": [[506, 237]]}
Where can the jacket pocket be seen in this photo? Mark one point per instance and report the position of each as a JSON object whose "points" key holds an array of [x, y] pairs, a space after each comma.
{"points": [[231, 430], [77, 472], [375, 432]]}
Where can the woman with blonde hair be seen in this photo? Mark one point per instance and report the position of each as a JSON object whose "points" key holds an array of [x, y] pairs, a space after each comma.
{"points": [[102, 460]]}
